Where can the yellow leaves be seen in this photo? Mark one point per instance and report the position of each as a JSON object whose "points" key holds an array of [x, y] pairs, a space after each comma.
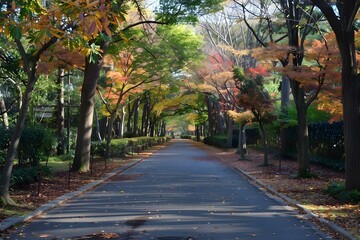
{"points": [[234, 51], [192, 117], [117, 79], [241, 117], [274, 51], [91, 3]]}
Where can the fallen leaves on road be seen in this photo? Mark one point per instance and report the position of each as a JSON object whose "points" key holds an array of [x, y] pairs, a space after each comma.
{"points": [[310, 193]]}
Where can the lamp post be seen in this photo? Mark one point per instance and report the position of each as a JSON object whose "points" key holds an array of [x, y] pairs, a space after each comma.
{"points": [[68, 88]]}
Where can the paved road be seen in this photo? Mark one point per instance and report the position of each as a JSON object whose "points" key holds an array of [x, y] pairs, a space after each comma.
{"points": [[178, 193]]}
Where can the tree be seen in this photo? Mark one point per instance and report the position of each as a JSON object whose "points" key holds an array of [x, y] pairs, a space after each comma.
{"points": [[342, 19], [40, 30], [106, 27], [254, 97]]}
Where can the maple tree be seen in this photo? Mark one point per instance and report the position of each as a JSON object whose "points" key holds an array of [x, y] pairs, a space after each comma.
{"points": [[28, 20], [254, 97], [298, 12], [342, 18], [242, 118]]}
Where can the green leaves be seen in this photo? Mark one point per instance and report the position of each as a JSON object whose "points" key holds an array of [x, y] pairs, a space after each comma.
{"points": [[15, 32], [188, 11], [94, 52]]}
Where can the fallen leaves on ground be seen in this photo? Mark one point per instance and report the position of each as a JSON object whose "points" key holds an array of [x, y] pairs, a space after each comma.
{"points": [[310, 192], [28, 199]]}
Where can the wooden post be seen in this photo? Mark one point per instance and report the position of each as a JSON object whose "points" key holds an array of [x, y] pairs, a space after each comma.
{"points": [[69, 175]]}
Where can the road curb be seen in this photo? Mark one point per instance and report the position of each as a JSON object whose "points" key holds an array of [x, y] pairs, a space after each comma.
{"points": [[12, 221], [292, 202]]}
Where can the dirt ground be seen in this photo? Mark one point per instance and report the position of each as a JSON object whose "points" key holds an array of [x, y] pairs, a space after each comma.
{"points": [[310, 193]]}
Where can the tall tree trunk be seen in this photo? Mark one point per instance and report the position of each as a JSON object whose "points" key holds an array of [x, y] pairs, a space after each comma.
{"points": [[210, 115], [6, 172], [219, 119], [81, 161], [136, 117], [230, 128], [303, 134], [342, 23], [163, 129], [285, 98], [152, 124], [128, 122], [264, 143], [60, 118], [351, 109], [109, 132], [242, 142]]}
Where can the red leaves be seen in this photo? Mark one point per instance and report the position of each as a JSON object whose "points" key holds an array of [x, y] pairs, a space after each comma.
{"points": [[259, 70]]}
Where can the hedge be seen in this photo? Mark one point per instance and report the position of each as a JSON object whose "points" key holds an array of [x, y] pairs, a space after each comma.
{"points": [[36, 144], [121, 147], [326, 143], [25, 175], [219, 141]]}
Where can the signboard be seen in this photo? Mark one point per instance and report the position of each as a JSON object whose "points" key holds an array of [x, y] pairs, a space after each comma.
{"points": [[44, 111]]}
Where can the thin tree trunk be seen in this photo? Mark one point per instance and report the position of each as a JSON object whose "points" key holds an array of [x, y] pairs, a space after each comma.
{"points": [[109, 134], [60, 113], [122, 121], [128, 122], [210, 116], [147, 117], [136, 117], [81, 161], [5, 118], [98, 134], [241, 144]]}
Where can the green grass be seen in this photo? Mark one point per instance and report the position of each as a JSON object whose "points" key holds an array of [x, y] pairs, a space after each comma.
{"points": [[11, 211], [57, 166]]}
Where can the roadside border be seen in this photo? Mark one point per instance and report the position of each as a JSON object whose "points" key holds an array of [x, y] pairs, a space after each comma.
{"points": [[259, 184], [13, 221]]}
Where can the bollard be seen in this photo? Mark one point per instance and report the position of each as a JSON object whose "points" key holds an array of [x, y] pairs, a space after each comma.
{"points": [[69, 175], [91, 165], [39, 182]]}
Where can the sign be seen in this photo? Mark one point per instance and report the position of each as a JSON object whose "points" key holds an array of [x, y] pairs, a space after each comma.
{"points": [[44, 112]]}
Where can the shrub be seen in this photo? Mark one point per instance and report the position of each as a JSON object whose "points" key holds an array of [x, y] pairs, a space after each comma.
{"points": [[252, 136], [36, 144], [123, 146], [5, 137], [219, 141], [119, 147], [185, 136], [337, 190], [98, 148], [25, 175]]}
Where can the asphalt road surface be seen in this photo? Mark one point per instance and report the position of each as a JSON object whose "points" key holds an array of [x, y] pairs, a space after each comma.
{"points": [[178, 193]]}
